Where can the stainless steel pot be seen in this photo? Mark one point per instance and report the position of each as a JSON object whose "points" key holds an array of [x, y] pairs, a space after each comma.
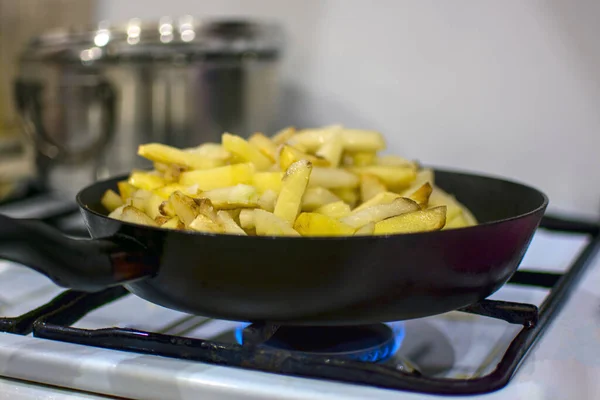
{"points": [[89, 98]]}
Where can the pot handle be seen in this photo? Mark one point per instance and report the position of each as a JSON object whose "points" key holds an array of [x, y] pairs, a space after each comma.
{"points": [[83, 264], [28, 101]]}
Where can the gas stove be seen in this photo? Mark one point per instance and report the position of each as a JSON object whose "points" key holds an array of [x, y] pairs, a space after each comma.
{"points": [[68, 344]]}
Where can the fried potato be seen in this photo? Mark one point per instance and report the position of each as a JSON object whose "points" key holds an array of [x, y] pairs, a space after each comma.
{"points": [[269, 224], [348, 195], [228, 224], [289, 155], [337, 209], [314, 224], [332, 149], [204, 224], [210, 150], [381, 198], [370, 186], [421, 195], [354, 140], [265, 145], [378, 213], [365, 230], [310, 179], [135, 216], [220, 177], [417, 221], [146, 180], [439, 197], [170, 155], [166, 191], [294, 184], [394, 161], [264, 181], [247, 219], [333, 178], [268, 200], [126, 190], [111, 200], [173, 223], [283, 135], [315, 197], [393, 177], [185, 207], [361, 159], [246, 151], [238, 196]]}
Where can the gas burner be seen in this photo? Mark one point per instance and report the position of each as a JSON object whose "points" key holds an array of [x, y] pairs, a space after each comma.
{"points": [[371, 343]]}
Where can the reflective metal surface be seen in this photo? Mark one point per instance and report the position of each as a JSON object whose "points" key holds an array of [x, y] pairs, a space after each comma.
{"points": [[89, 98]]}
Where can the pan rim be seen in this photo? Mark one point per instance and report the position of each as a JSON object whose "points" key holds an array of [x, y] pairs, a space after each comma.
{"points": [[540, 208]]}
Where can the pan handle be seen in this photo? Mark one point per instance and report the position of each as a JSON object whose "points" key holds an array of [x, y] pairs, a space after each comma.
{"points": [[83, 264]]}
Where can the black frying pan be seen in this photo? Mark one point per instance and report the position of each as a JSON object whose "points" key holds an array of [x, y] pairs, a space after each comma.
{"points": [[316, 281]]}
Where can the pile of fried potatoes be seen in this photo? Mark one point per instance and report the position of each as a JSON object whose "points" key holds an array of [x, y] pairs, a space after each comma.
{"points": [[329, 181]]}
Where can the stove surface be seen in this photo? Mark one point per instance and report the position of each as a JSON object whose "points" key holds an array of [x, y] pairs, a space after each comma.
{"points": [[564, 364]]}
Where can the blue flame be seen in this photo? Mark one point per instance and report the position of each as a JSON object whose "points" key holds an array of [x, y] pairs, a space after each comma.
{"points": [[374, 354]]}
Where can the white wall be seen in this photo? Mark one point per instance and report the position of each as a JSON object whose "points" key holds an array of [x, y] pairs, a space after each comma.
{"points": [[510, 88]]}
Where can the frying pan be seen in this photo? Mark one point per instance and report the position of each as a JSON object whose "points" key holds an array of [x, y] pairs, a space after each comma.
{"points": [[287, 280]]}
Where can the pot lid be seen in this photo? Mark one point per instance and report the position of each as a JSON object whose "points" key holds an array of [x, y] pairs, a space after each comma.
{"points": [[180, 38]]}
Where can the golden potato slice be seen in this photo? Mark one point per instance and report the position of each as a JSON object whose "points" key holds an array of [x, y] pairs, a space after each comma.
{"points": [[417, 221], [379, 213], [210, 150], [394, 161], [185, 207], [173, 223], [117, 212], [166, 191], [294, 184], [238, 196], [333, 178], [421, 195], [314, 224], [264, 181], [161, 220], [381, 198], [361, 159], [268, 200], [350, 196], [457, 222], [337, 209], [146, 180], [139, 199], [152, 206], [135, 216], [370, 186], [365, 230], [289, 155], [283, 135], [332, 149], [439, 197], [166, 209], [170, 155], [393, 177], [220, 177], [468, 215], [246, 151], [228, 224], [265, 145], [126, 190], [111, 200], [170, 172], [269, 224], [247, 218], [204, 224], [315, 197], [355, 140]]}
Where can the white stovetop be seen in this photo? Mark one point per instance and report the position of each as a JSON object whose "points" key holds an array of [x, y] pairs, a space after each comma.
{"points": [[564, 365]]}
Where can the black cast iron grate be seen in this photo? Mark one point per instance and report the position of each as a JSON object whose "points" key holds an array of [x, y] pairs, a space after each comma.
{"points": [[53, 320]]}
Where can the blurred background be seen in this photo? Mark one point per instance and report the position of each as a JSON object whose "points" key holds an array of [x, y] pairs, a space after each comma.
{"points": [[508, 88]]}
